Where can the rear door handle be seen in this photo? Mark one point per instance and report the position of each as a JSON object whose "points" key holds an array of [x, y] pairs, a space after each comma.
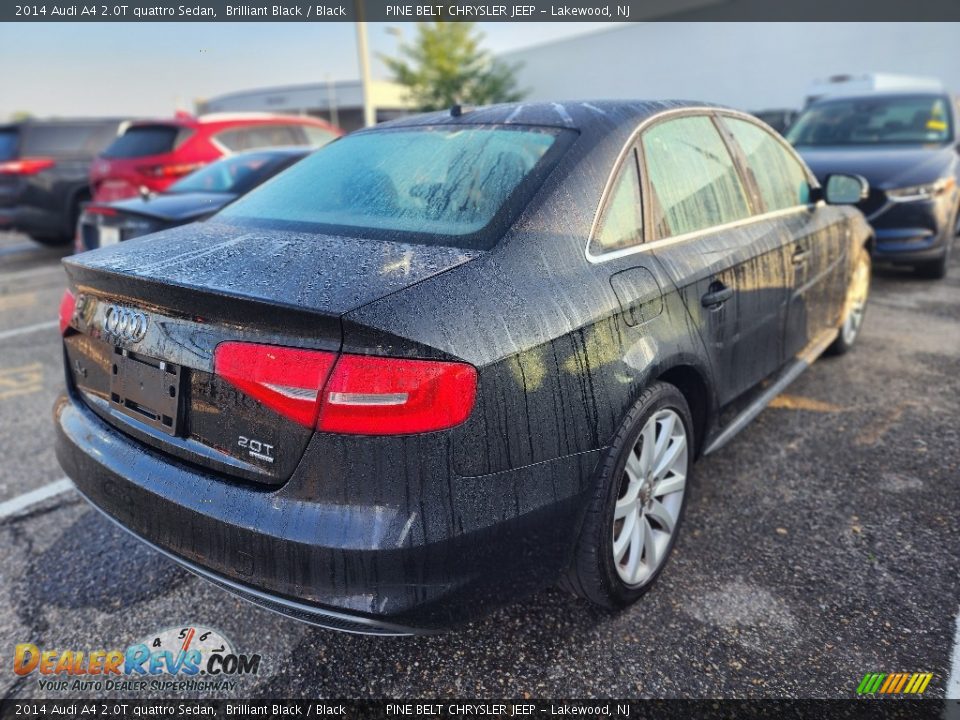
{"points": [[801, 256], [716, 298]]}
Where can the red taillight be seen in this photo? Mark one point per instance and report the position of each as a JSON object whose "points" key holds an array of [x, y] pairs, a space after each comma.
{"points": [[99, 210], [67, 305], [25, 166], [287, 380], [169, 171], [369, 395], [361, 395]]}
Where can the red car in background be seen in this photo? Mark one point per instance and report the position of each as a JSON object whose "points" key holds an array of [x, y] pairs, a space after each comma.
{"points": [[153, 154]]}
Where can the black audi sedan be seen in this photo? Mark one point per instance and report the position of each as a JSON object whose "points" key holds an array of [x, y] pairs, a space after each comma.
{"points": [[195, 197], [907, 145], [448, 361]]}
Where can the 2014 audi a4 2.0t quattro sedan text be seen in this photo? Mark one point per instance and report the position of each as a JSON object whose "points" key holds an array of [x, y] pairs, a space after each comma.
{"points": [[451, 360]]}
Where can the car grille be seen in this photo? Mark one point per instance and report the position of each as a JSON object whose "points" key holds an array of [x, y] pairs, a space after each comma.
{"points": [[875, 200]]}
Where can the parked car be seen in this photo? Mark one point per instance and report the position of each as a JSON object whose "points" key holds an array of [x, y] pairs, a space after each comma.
{"points": [[450, 360], [778, 119], [195, 197], [908, 147], [44, 173], [153, 154], [845, 85]]}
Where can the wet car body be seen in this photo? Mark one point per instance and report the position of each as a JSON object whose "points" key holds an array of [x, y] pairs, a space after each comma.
{"points": [[180, 204], [418, 531], [911, 228]]}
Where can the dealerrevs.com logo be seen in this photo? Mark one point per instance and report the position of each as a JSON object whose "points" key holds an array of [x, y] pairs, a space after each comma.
{"points": [[183, 659]]}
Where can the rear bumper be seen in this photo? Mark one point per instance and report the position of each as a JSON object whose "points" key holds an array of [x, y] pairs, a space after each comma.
{"points": [[32, 220], [366, 568]]}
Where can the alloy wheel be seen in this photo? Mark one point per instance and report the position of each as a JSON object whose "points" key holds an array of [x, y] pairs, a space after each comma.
{"points": [[650, 498], [856, 301]]}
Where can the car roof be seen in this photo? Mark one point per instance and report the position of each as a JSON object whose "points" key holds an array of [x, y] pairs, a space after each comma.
{"points": [[285, 151], [62, 121], [581, 115], [881, 95], [253, 118]]}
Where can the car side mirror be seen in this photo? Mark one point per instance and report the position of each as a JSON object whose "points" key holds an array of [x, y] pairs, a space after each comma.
{"points": [[842, 189]]}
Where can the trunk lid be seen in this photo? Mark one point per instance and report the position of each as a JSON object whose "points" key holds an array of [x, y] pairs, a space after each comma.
{"points": [[183, 292]]}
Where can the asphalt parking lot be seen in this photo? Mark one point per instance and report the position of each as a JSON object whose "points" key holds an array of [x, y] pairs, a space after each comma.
{"points": [[821, 544]]}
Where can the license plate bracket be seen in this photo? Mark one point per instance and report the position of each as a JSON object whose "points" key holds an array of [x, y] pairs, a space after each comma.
{"points": [[147, 390]]}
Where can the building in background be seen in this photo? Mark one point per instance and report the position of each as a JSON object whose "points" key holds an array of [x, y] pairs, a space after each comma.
{"points": [[338, 102], [752, 65]]}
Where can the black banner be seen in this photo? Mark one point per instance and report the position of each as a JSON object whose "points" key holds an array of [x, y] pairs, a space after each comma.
{"points": [[478, 10], [865, 709]]}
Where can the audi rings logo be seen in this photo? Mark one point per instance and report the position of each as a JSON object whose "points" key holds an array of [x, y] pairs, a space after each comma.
{"points": [[125, 324]]}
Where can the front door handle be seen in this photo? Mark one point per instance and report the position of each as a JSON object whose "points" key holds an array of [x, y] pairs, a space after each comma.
{"points": [[718, 295], [801, 255]]}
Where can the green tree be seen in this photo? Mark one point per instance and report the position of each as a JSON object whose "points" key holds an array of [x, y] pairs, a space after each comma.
{"points": [[445, 65], [20, 115]]}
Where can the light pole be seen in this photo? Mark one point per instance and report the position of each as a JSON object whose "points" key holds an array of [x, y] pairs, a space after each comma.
{"points": [[368, 115], [332, 103]]}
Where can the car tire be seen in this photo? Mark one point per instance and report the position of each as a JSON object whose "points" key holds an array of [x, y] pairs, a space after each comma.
{"points": [[855, 305], [603, 571]]}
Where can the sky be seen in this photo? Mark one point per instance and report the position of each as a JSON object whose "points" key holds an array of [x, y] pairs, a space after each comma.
{"points": [[137, 69]]}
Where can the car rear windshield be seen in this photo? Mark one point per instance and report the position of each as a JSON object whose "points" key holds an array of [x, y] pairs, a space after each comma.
{"points": [[438, 185], [8, 144], [60, 139], [230, 175], [143, 140], [901, 120]]}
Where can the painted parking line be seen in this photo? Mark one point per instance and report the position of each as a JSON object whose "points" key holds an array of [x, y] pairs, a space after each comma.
{"points": [[6, 334], [22, 247], [797, 402], [21, 380], [28, 499], [18, 301], [953, 682], [31, 273]]}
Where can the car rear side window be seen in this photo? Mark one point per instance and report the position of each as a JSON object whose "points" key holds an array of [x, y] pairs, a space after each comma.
{"points": [[318, 137], [144, 140], [693, 177], [260, 136], [621, 225], [782, 180], [440, 185]]}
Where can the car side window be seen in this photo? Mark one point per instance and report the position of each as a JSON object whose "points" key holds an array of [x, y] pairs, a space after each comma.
{"points": [[273, 136], [259, 136], [233, 140], [621, 225], [782, 180], [317, 137], [693, 177]]}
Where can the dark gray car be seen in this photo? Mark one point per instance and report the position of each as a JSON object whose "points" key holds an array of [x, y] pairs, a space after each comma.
{"points": [[44, 173]]}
